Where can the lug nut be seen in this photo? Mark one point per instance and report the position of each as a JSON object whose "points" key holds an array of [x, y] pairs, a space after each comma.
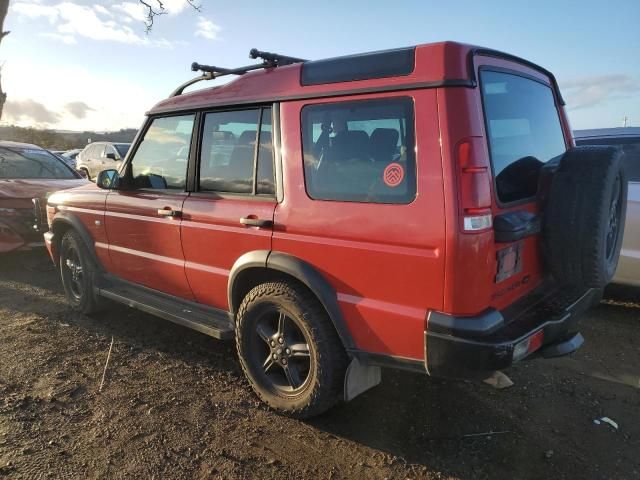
{"points": [[281, 340], [288, 351], [272, 343], [275, 357]]}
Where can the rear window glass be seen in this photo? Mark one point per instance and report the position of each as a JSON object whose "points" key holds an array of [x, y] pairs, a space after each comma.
{"points": [[17, 162], [631, 147], [360, 151], [524, 131]]}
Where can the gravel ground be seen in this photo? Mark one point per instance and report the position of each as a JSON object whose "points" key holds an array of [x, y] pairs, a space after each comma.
{"points": [[175, 404]]}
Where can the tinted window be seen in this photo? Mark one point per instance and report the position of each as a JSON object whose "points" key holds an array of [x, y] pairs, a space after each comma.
{"points": [[161, 158], [524, 131], [122, 148], [229, 152], [16, 162], [265, 179], [360, 151], [631, 147]]}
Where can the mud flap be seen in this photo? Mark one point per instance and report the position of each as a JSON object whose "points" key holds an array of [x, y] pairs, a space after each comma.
{"points": [[360, 378]]}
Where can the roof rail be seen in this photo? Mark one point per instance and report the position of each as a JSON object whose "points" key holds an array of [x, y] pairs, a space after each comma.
{"points": [[210, 72]]}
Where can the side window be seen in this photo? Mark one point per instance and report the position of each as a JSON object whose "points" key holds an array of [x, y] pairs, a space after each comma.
{"points": [[228, 154], [109, 149], [265, 182], [362, 151], [98, 151], [161, 158], [632, 161]]}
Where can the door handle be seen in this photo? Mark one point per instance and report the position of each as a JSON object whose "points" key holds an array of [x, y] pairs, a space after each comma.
{"points": [[169, 212], [256, 222]]}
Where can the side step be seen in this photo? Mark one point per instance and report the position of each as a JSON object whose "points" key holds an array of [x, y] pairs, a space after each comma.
{"points": [[210, 321]]}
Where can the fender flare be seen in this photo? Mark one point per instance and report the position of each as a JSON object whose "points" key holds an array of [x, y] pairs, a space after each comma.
{"points": [[302, 271], [71, 220]]}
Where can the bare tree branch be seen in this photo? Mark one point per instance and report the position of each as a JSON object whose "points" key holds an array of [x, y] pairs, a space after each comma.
{"points": [[156, 8]]}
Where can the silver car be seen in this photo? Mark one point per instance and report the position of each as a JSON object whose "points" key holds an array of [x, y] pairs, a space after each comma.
{"points": [[628, 138], [100, 156]]}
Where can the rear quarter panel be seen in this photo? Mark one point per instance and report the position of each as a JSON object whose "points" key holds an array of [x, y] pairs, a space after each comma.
{"points": [[386, 262]]}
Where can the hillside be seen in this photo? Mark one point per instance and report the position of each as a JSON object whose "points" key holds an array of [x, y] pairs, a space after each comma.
{"points": [[55, 140]]}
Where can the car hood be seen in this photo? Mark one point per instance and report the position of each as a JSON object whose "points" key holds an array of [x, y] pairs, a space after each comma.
{"points": [[31, 188]]}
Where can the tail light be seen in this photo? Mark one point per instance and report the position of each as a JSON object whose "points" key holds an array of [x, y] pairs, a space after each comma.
{"points": [[474, 186]]}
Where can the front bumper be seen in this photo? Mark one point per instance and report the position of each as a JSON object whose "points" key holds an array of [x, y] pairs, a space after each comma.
{"points": [[472, 347]]}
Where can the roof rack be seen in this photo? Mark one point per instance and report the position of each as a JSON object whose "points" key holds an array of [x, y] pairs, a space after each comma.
{"points": [[210, 72]]}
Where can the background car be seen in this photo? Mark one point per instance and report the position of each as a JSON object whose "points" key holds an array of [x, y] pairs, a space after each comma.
{"points": [[59, 154], [628, 138], [28, 174], [100, 156], [72, 154]]}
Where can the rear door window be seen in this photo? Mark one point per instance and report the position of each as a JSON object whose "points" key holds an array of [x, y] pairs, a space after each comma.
{"points": [[631, 148], [523, 129], [361, 151], [237, 152]]}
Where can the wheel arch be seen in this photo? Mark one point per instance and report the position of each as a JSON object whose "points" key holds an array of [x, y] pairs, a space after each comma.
{"points": [[64, 221], [259, 266]]}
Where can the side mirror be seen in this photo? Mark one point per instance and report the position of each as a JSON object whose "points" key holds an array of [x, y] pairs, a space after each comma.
{"points": [[108, 179], [111, 156]]}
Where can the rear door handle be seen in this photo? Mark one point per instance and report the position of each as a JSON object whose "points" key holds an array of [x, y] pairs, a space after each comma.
{"points": [[256, 222], [169, 212]]}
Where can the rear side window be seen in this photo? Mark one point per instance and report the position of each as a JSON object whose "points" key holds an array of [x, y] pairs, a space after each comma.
{"points": [[631, 148], [361, 151], [237, 152], [524, 131]]}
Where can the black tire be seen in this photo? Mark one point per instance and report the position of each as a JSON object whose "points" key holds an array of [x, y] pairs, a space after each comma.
{"points": [[585, 216], [318, 384], [78, 274]]}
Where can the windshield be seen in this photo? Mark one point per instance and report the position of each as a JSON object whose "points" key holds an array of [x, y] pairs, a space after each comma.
{"points": [[122, 148], [31, 163], [524, 131]]}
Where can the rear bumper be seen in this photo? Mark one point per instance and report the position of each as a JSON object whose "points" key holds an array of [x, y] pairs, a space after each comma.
{"points": [[471, 347]]}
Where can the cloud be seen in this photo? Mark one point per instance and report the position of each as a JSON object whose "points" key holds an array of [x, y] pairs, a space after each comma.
{"points": [[71, 20], [67, 39], [593, 90], [207, 29], [29, 111], [132, 10], [78, 109]]}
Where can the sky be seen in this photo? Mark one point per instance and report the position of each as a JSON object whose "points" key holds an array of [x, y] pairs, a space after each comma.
{"points": [[82, 65]]}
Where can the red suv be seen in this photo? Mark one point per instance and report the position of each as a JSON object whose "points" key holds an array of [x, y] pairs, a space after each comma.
{"points": [[421, 208]]}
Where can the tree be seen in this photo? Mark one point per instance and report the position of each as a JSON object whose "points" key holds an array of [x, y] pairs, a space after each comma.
{"points": [[4, 7], [156, 8]]}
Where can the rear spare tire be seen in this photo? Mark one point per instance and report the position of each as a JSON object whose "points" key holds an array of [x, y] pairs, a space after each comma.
{"points": [[585, 215]]}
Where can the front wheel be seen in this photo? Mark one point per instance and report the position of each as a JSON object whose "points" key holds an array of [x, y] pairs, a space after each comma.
{"points": [[78, 272], [289, 350]]}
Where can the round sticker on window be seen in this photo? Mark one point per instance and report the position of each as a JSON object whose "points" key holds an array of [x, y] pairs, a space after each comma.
{"points": [[393, 175]]}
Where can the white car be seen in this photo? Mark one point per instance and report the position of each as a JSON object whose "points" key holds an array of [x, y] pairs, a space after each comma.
{"points": [[628, 138]]}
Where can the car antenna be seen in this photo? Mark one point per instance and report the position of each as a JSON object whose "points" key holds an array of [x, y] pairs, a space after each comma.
{"points": [[210, 72]]}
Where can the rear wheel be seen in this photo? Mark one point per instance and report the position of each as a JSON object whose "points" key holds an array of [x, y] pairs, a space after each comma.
{"points": [[289, 350], [78, 273]]}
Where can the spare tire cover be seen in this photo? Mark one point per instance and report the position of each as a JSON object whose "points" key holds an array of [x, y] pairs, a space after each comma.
{"points": [[584, 216]]}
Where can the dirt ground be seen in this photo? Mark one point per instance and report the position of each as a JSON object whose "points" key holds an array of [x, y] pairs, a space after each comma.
{"points": [[175, 404]]}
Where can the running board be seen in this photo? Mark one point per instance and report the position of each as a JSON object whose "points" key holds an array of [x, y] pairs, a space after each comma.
{"points": [[210, 321]]}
